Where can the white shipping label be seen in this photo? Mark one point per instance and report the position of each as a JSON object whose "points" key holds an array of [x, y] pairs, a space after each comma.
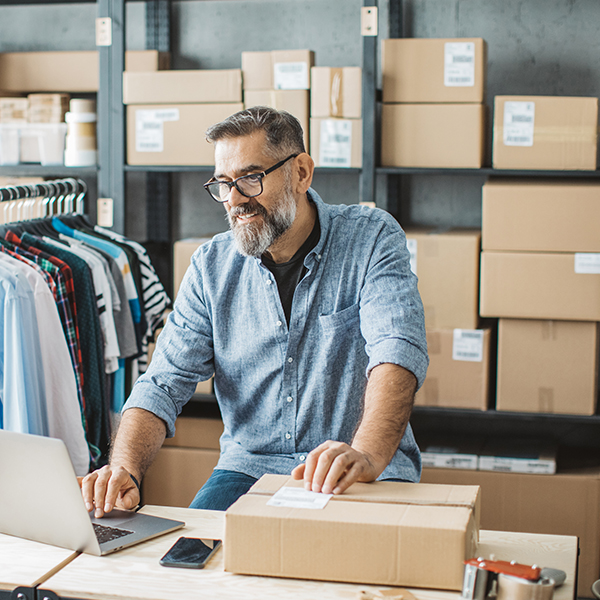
{"points": [[467, 345], [587, 263], [459, 64], [519, 121], [411, 244], [291, 76], [336, 143], [292, 497], [149, 135]]}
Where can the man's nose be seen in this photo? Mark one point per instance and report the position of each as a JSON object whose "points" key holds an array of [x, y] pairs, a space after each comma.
{"points": [[235, 198]]}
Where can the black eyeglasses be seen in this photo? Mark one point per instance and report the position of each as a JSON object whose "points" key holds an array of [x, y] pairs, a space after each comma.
{"points": [[249, 186]]}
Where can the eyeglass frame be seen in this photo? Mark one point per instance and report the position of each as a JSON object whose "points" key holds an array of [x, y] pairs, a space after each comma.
{"points": [[233, 183]]}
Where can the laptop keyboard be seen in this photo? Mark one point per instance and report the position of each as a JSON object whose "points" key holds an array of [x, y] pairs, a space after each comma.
{"points": [[108, 534]]}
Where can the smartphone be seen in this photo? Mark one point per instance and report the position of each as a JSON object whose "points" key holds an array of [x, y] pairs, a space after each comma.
{"points": [[190, 553]]}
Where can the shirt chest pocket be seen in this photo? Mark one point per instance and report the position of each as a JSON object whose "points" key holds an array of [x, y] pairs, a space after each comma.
{"points": [[346, 318]]}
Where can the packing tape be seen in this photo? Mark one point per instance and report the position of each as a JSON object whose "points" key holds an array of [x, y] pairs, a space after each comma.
{"points": [[336, 108], [431, 389], [558, 133], [546, 399], [515, 588]]}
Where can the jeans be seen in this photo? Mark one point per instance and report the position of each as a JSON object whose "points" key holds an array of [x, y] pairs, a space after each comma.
{"points": [[222, 489]]}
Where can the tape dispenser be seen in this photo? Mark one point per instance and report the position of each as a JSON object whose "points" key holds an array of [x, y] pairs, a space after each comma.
{"points": [[502, 580]]}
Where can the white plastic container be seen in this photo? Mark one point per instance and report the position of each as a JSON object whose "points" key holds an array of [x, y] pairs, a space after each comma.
{"points": [[43, 143], [9, 143]]}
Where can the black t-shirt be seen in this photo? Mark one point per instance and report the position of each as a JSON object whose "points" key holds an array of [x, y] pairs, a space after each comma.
{"points": [[289, 274]]}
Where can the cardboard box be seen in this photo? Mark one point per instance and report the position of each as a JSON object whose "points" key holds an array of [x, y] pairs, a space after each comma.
{"points": [[541, 216], [382, 533], [517, 455], [547, 366], [257, 71], [336, 92], [183, 251], [176, 475], [291, 69], [179, 87], [535, 285], [562, 504], [433, 135], [147, 60], [545, 132], [336, 142], [447, 265], [296, 102], [173, 134], [433, 70], [65, 71], [459, 369], [192, 432]]}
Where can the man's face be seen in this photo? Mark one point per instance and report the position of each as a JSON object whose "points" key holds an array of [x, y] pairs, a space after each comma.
{"points": [[257, 223]]}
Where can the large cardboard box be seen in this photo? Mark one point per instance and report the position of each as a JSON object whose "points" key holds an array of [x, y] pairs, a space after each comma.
{"points": [[296, 102], [547, 366], [177, 474], [433, 135], [447, 265], [382, 533], [541, 216], [336, 142], [178, 87], [562, 504], [173, 134], [536, 285], [433, 70], [336, 92], [199, 433], [66, 71], [545, 132], [257, 71], [183, 251], [459, 369]]}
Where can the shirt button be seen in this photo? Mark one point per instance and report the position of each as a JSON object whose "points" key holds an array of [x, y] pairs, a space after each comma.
{"points": [[290, 359], [279, 323], [303, 458], [319, 256], [289, 398], [288, 436]]}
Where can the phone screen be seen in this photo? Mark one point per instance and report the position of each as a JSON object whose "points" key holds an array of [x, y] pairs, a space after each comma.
{"points": [[192, 553]]}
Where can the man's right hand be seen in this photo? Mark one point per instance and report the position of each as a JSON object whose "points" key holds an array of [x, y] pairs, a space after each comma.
{"points": [[108, 487]]}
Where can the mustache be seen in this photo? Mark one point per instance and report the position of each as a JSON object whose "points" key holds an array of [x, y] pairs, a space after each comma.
{"points": [[247, 209]]}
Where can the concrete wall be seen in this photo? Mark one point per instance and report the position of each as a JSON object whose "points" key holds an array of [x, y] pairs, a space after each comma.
{"points": [[535, 47]]}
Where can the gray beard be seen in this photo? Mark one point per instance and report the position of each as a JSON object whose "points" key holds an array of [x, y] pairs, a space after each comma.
{"points": [[255, 239]]}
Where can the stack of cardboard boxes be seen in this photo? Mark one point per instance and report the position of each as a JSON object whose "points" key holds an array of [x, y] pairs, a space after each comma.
{"points": [[447, 265], [540, 274], [169, 111], [433, 112], [279, 79], [336, 117]]}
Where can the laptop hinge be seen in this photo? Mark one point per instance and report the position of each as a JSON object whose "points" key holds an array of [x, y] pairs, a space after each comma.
{"points": [[23, 593]]}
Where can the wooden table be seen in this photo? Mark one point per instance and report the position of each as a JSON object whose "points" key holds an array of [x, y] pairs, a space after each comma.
{"points": [[134, 573]]}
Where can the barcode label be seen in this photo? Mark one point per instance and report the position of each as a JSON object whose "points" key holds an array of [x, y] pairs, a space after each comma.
{"points": [[336, 143], [411, 244], [149, 132], [467, 345], [291, 76], [459, 64], [290, 497], [519, 121], [587, 263]]}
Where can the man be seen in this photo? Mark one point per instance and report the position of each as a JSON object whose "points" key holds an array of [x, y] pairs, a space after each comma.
{"points": [[310, 319]]}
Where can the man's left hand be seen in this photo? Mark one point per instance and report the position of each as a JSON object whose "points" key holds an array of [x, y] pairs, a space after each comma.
{"points": [[333, 467]]}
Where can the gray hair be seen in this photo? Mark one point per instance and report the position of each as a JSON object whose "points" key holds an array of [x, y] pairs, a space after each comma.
{"points": [[283, 131]]}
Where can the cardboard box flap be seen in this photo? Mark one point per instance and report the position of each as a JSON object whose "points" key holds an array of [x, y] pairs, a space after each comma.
{"points": [[388, 492]]}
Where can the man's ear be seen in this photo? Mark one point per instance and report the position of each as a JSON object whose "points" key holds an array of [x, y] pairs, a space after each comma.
{"points": [[305, 168]]}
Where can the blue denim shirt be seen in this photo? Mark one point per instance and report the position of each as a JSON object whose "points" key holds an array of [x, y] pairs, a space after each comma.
{"points": [[281, 391]]}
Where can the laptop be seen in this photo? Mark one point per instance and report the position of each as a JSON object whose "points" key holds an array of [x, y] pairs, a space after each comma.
{"points": [[40, 500]]}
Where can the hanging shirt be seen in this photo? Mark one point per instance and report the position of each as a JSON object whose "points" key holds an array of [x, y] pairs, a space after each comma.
{"points": [[22, 375], [60, 388]]}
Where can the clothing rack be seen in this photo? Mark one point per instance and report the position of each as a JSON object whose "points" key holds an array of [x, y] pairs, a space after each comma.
{"points": [[53, 197]]}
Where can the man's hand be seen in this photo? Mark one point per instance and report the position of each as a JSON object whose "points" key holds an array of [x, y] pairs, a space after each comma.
{"points": [[109, 487], [333, 467]]}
